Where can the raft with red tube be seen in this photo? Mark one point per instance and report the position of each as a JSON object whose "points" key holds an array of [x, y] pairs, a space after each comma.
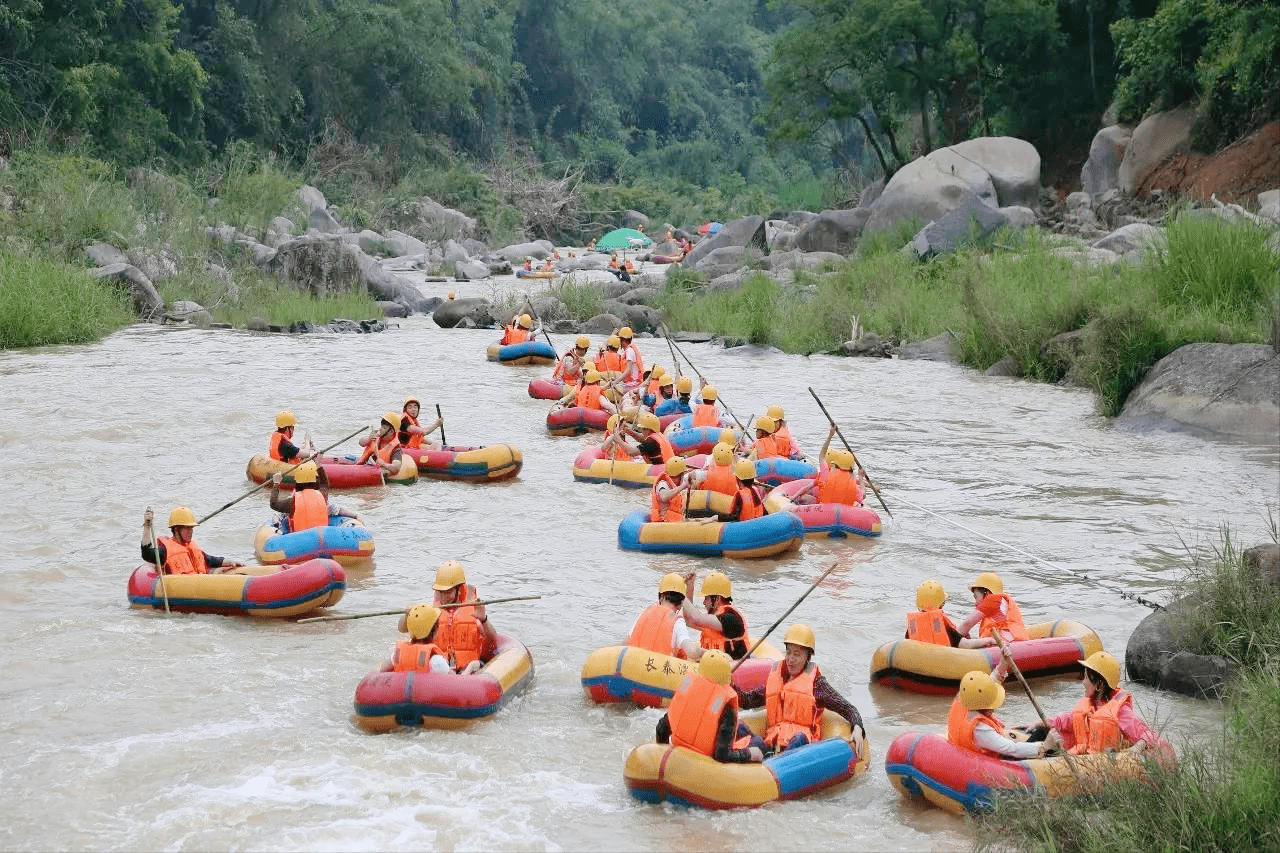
{"points": [[276, 592], [341, 472], [575, 420], [829, 520]]}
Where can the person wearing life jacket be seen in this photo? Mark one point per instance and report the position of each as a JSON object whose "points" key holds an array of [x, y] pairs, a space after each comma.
{"points": [[972, 723], [722, 625], [281, 447], [929, 624], [795, 695], [463, 633], [528, 264], [419, 653], [748, 500], [782, 433], [1104, 718], [412, 433], [591, 394], [675, 396], [633, 371], [995, 611], [650, 386], [707, 413], [610, 360], [570, 365], [717, 473], [517, 331], [835, 483], [308, 505], [765, 446], [703, 714], [661, 627], [178, 553], [654, 447], [667, 497], [383, 449]]}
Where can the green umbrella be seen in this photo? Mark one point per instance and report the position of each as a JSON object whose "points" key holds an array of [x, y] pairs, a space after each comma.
{"points": [[624, 238]]}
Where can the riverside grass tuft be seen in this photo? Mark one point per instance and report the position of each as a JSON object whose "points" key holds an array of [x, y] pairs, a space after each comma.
{"points": [[48, 302]]}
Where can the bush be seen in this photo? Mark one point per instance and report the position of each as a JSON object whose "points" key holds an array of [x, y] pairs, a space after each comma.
{"points": [[45, 302], [66, 202]]}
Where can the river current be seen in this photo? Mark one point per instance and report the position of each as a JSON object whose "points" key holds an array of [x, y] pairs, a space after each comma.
{"points": [[129, 730]]}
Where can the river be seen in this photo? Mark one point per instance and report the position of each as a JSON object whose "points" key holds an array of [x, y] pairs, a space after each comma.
{"points": [[130, 730]]}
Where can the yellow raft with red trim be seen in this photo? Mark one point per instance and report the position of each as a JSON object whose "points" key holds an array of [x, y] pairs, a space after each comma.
{"points": [[648, 678]]}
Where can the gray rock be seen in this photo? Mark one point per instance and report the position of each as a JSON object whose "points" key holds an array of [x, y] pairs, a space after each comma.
{"points": [[1101, 172], [779, 235], [470, 270], [730, 280], [1018, 217], [453, 252], [868, 194], [437, 222], [972, 222], [640, 318], [393, 309], [1078, 200], [1156, 655], [638, 295], [603, 324], [634, 219], [937, 348], [186, 311], [916, 191], [155, 265], [322, 222], [279, 231], [868, 345], [749, 230], [402, 244], [450, 314], [1137, 236], [725, 259], [147, 303], [834, 231], [539, 249], [1004, 367], [257, 324], [312, 199], [1267, 197], [1265, 562], [1155, 139], [591, 262], [1012, 163], [105, 254]]}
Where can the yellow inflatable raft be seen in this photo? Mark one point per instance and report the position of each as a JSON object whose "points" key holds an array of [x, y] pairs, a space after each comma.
{"points": [[643, 677]]}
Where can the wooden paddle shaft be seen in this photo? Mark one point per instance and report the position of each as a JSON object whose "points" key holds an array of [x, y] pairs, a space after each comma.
{"points": [[811, 588]]}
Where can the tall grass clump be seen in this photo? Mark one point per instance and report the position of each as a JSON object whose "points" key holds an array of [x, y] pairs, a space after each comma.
{"points": [[64, 202], [49, 302], [254, 295], [1225, 267], [252, 190], [582, 299]]}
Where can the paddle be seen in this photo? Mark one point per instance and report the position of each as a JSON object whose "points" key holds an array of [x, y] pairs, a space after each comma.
{"points": [[155, 555], [443, 440], [534, 312], [267, 482], [675, 362], [811, 588], [850, 449], [700, 376], [1013, 665], [401, 611]]}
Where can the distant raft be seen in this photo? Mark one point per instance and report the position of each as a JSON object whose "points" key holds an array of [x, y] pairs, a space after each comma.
{"points": [[630, 674], [829, 520], [524, 273], [541, 388], [527, 352], [766, 536], [343, 539], [488, 464], [384, 701], [656, 772], [1055, 648], [957, 780], [274, 592], [342, 472], [575, 420]]}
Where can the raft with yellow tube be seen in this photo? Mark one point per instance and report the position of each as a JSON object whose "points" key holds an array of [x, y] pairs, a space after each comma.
{"points": [[275, 592], [488, 464], [526, 352], [957, 780], [1054, 648], [828, 520], [342, 472], [766, 536], [343, 539], [384, 701], [656, 772], [648, 678]]}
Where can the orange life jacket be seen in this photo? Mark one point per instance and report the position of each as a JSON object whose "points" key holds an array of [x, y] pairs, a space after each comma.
{"points": [[310, 509], [787, 444], [713, 638], [665, 450], [929, 626], [410, 656], [706, 414], [695, 712], [720, 479], [1001, 618], [838, 486], [752, 506], [653, 630], [612, 360], [409, 439], [460, 633], [513, 335], [274, 447], [674, 510], [616, 450], [182, 559], [654, 389], [384, 451], [1098, 729], [791, 707], [589, 397], [766, 447], [636, 373], [568, 368], [960, 725]]}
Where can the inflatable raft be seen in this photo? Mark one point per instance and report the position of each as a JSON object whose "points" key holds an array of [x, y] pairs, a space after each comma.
{"points": [[279, 592], [546, 389], [959, 780], [486, 464], [679, 423], [834, 521], [691, 440], [766, 536], [1055, 648], [387, 700], [342, 472], [343, 539], [527, 352], [776, 470], [643, 677], [524, 273], [655, 772], [575, 420]]}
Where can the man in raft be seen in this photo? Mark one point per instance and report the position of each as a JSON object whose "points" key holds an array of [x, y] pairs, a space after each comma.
{"points": [[308, 505], [972, 723], [412, 433], [717, 473], [929, 624], [517, 331], [463, 634], [282, 448], [723, 626], [706, 413], [836, 482], [570, 366], [633, 364], [766, 446], [748, 501], [678, 405], [782, 434], [795, 696], [661, 627], [995, 611], [703, 715], [383, 449], [178, 554]]}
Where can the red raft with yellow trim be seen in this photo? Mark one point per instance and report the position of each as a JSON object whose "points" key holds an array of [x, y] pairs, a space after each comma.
{"points": [[277, 592]]}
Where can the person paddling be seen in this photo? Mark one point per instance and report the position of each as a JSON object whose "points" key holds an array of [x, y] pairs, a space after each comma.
{"points": [[178, 553]]}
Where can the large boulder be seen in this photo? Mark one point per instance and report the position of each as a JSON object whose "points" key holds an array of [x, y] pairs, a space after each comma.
{"points": [[723, 260], [973, 221], [147, 303], [437, 222], [919, 191], [453, 311], [1157, 655], [318, 217], [470, 270], [517, 252], [1225, 389], [322, 265], [834, 231], [640, 318], [1134, 237], [1157, 138], [749, 230], [1101, 172], [105, 254], [1011, 165]]}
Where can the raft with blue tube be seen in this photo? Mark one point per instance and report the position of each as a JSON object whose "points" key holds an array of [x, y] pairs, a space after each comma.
{"points": [[343, 539], [638, 676], [663, 772], [276, 592], [488, 464], [766, 536], [823, 520], [526, 352], [691, 439], [385, 701], [776, 470]]}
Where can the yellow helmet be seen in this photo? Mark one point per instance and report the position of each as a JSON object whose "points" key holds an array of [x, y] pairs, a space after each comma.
{"points": [[684, 385], [840, 459], [989, 581], [613, 342], [649, 421], [716, 666], [656, 371], [181, 516], [626, 333], [745, 469], [420, 619], [453, 295], [930, 594], [980, 692], [800, 635], [729, 437], [671, 582], [410, 399], [526, 322], [612, 423], [766, 424], [710, 394], [583, 342], [392, 418], [775, 412], [1106, 666], [305, 473], [676, 466], [722, 454], [449, 575], [284, 419], [592, 377], [667, 381], [717, 583]]}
